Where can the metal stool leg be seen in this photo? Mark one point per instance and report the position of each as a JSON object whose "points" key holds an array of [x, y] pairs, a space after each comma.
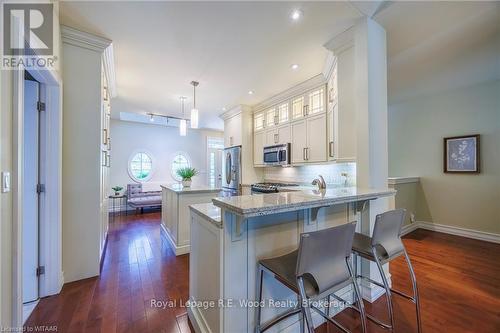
{"points": [[307, 308], [260, 278], [415, 291], [361, 306], [387, 290]]}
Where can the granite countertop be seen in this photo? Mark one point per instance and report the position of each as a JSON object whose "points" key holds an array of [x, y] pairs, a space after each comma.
{"points": [[209, 211], [178, 188], [272, 203]]}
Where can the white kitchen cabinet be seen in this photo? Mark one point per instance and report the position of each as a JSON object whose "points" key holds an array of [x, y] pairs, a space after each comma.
{"points": [[232, 131], [309, 140], [316, 139], [259, 141], [297, 106], [284, 134], [258, 121], [299, 141], [278, 135], [271, 137], [341, 116], [282, 112]]}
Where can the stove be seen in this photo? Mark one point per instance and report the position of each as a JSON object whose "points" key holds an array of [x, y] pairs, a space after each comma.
{"points": [[269, 187]]}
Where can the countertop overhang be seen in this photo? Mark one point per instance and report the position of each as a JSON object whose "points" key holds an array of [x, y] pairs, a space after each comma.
{"points": [[273, 203], [178, 188]]}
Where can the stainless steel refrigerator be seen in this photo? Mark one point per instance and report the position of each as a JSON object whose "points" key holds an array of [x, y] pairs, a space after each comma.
{"points": [[231, 175]]}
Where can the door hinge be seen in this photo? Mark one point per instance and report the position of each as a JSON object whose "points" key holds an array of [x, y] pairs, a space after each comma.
{"points": [[40, 106], [40, 270], [40, 188]]}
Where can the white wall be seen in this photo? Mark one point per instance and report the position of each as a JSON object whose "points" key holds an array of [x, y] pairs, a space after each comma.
{"points": [[162, 142], [416, 131]]}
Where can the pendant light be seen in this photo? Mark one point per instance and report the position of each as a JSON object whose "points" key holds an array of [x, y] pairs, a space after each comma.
{"points": [[194, 110], [183, 121]]}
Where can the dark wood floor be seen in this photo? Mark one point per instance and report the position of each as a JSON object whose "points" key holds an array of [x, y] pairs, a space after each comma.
{"points": [[459, 282]]}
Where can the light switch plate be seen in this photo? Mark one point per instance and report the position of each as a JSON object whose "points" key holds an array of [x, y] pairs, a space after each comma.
{"points": [[5, 182]]}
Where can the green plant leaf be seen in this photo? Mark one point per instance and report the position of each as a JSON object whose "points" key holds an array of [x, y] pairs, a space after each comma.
{"points": [[187, 173]]}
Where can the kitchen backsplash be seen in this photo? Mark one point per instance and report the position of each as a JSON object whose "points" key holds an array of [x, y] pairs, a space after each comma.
{"points": [[333, 174]]}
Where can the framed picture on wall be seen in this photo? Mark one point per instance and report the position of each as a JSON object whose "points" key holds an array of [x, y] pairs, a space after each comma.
{"points": [[461, 154]]}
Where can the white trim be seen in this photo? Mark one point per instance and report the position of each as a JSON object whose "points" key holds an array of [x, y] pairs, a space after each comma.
{"points": [[197, 319], [234, 111], [406, 229], [342, 41], [402, 180], [330, 62], [178, 250], [84, 39], [28, 309], [458, 231], [109, 70], [302, 87]]}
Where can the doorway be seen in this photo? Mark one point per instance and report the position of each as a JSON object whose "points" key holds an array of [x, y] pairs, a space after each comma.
{"points": [[215, 145], [33, 190]]}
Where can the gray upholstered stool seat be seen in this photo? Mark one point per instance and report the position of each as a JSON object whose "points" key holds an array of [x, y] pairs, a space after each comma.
{"points": [[320, 267]]}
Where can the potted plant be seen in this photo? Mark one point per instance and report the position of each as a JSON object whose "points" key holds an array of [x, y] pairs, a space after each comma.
{"points": [[117, 190], [186, 174]]}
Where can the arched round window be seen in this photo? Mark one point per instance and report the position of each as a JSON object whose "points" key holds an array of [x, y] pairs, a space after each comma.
{"points": [[140, 166], [179, 161]]}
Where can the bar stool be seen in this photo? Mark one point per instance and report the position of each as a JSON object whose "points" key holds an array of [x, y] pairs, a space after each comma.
{"points": [[384, 246], [319, 267]]}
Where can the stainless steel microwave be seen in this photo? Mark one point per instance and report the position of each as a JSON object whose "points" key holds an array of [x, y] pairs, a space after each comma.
{"points": [[277, 155]]}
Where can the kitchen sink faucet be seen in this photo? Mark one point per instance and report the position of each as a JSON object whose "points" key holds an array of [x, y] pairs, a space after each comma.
{"points": [[320, 182]]}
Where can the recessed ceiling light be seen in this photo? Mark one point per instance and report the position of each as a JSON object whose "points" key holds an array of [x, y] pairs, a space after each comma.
{"points": [[223, 109], [296, 15], [294, 66], [250, 92]]}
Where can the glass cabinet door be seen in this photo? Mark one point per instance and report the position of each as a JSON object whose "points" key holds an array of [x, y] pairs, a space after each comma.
{"points": [[258, 121], [282, 112], [271, 119], [316, 101], [298, 107]]}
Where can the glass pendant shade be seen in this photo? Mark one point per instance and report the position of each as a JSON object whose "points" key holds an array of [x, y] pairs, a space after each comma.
{"points": [[183, 127], [194, 118]]}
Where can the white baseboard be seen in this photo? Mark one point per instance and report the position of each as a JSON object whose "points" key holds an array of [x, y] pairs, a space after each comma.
{"points": [[28, 309], [451, 230], [458, 231], [406, 229], [178, 250], [197, 320]]}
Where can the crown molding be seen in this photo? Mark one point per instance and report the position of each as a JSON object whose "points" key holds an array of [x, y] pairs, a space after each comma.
{"points": [[235, 111], [109, 70], [84, 39], [341, 42], [92, 42], [302, 87], [330, 63]]}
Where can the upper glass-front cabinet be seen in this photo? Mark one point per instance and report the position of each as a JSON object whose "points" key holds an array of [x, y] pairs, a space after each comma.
{"points": [[258, 121], [282, 113], [298, 107], [271, 119], [316, 101]]}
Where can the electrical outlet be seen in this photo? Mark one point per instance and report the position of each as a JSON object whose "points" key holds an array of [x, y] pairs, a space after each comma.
{"points": [[412, 218], [5, 182]]}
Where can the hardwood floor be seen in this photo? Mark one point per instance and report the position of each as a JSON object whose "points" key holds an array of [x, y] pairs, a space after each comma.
{"points": [[459, 283]]}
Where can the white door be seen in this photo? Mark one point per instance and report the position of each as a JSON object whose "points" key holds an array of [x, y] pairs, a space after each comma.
{"points": [[30, 225], [316, 138], [299, 141]]}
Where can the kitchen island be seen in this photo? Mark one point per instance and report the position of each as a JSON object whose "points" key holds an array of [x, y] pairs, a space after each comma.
{"points": [[230, 236], [175, 212]]}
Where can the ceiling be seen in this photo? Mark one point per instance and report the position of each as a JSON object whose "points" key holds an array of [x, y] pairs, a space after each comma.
{"points": [[234, 47], [229, 47]]}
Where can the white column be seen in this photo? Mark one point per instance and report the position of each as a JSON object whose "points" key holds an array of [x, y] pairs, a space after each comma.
{"points": [[371, 119]]}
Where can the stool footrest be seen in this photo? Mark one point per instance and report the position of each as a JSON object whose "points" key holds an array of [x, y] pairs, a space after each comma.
{"points": [[411, 298], [284, 315], [342, 328]]}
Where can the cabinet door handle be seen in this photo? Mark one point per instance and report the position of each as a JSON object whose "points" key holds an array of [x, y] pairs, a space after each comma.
{"points": [[330, 149], [307, 154], [105, 136], [230, 140], [276, 138], [276, 120], [304, 154], [304, 110]]}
